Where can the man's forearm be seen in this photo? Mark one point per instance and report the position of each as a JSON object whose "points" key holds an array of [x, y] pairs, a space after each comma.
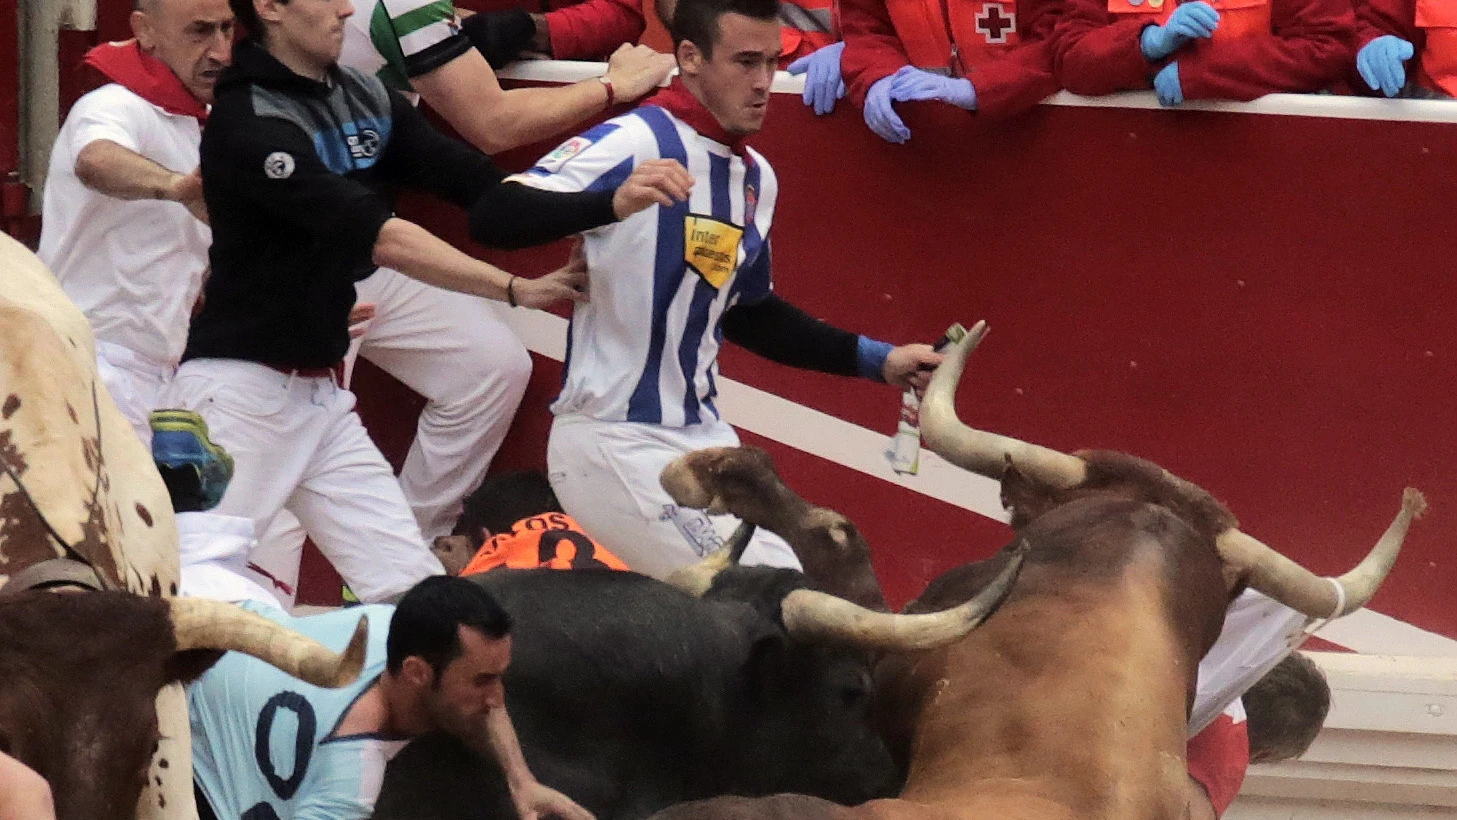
{"points": [[122, 173], [466, 93], [507, 749], [419, 254]]}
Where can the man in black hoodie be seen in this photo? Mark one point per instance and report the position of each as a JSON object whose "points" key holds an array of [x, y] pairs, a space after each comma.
{"points": [[296, 158]]}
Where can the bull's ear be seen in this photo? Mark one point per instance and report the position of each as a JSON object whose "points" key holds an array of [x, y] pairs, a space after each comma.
{"points": [[1025, 497], [188, 665]]}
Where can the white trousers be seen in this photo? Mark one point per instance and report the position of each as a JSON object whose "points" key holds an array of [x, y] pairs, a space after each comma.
{"points": [[298, 445], [136, 383], [606, 473], [454, 350]]}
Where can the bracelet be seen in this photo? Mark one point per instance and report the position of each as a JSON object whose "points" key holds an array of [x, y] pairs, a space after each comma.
{"points": [[611, 94], [511, 292]]}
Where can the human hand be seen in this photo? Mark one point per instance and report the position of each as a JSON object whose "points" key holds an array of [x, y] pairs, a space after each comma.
{"points": [[1166, 84], [1189, 21], [568, 282], [535, 801], [823, 85], [187, 190], [500, 36], [910, 83], [928, 85], [1382, 63], [636, 70], [910, 366], [654, 182], [359, 317]]}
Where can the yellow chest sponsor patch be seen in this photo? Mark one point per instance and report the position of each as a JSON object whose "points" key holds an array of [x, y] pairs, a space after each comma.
{"points": [[711, 247]]}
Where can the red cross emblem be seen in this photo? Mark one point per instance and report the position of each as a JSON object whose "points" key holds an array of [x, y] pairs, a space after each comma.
{"points": [[995, 23]]}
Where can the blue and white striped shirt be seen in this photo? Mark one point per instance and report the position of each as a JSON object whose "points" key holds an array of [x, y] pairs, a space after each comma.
{"points": [[645, 348]]}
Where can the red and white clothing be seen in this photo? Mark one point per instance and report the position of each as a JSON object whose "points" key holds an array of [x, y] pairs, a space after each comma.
{"points": [[1002, 46], [1219, 756], [134, 267], [1305, 47], [1258, 633]]}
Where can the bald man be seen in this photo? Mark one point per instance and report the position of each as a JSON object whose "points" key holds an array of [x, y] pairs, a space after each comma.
{"points": [[124, 226]]}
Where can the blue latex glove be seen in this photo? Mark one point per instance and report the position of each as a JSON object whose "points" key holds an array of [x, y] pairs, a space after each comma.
{"points": [[1189, 21], [823, 85], [1382, 63], [908, 84], [1166, 83]]}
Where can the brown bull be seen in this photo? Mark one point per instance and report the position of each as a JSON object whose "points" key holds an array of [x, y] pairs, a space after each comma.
{"points": [[81, 504], [79, 676], [1072, 703]]}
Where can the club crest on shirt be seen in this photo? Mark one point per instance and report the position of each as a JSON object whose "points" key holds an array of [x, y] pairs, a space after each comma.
{"points": [[751, 203], [278, 165], [711, 247], [554, 161]]}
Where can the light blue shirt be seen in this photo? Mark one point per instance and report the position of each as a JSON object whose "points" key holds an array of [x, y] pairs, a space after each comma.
{"points": [[265, 745]]}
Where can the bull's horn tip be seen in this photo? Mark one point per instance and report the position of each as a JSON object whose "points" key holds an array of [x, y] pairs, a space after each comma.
{"points": [[1413, 502], [351, 662]]}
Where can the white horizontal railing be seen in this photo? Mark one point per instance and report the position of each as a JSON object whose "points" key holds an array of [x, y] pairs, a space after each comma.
{"points": [[1290, 105]]}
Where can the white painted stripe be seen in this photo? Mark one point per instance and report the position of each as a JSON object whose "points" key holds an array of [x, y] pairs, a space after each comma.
{"points": [[1289, 105], [862, 450]]}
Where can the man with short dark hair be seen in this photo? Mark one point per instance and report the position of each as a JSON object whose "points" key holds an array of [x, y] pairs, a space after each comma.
{"points": [[670, 283], [299, 160], [267, 746]]}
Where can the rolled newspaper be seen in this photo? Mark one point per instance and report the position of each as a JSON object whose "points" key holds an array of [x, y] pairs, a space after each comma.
{"points": [[905, 446]]}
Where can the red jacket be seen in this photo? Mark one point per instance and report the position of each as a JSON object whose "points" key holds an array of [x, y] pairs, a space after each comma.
{"points": [[580, 29], [1011, 83], [1218, 757], [1308, 49]]}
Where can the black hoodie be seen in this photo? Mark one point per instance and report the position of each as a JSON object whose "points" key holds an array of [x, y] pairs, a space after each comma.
{"points": [[296, 174]]}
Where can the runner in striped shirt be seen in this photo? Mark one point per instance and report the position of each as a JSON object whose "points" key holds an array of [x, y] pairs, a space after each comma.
{"points": [[670, 283]]}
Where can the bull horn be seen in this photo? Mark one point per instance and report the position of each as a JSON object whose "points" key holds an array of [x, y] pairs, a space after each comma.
{"points": [[199, 623], [1314, 596], [696, 579], [810, 615], [977, 450]]}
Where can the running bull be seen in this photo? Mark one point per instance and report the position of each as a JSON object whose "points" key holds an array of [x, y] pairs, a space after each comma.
{"points": [[1072, 702], [87, 697]]}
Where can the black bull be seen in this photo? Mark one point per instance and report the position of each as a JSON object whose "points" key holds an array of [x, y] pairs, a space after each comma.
{"points": [[630, 695]]}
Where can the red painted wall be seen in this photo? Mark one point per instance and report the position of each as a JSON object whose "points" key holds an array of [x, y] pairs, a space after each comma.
{"points": [[1259, 303]]}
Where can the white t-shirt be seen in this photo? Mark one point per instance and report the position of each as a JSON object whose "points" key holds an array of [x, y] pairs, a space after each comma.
{"points": [[1258, 633], [134, 267], [645, 347]]}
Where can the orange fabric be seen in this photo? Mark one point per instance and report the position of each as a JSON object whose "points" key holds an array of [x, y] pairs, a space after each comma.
{"points": [[550, 540], [981, 29], [1237, 18], [1439, 59]]}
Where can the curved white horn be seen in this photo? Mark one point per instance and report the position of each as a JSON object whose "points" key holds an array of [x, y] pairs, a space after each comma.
{"points": [[199, 623], [811, 615], [977, 450], [1312, 595]]}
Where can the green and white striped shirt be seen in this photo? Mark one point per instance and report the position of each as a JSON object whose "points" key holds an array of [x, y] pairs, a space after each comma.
{"points": [[400, 39]]}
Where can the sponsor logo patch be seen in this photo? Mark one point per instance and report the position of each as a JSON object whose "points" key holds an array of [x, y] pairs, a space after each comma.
{"points": [[711, 247], [278, 165], [556, 159]]}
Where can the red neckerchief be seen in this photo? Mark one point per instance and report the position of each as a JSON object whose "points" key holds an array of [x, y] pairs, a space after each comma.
{"points": [[125, 64], [677, 100]]}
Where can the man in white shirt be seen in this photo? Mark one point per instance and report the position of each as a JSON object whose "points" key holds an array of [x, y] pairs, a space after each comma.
{"points": [[123, 219]]}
